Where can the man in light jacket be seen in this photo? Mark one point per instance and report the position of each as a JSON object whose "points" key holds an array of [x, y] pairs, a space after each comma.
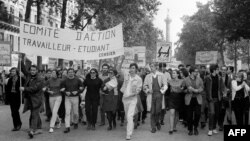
{"points": [[155, 84], [131, 87]]}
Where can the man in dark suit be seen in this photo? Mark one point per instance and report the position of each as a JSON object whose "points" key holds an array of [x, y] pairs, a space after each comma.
{"points": [[193, 100], [33, 98], [214, 91]]}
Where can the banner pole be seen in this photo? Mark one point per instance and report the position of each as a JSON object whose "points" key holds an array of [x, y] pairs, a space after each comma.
{"points": [[20, 77], [3, 79]]}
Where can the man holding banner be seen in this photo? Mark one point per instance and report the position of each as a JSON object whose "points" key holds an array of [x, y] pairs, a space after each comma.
{"points": [[33, 95]]}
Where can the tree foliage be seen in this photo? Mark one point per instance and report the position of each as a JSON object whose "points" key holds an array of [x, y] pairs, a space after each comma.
{"points": [[199, 34], [233, 17], [136, 17]]}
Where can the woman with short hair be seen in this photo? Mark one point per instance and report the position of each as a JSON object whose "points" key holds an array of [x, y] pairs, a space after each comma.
{"points": [[52, 87]]}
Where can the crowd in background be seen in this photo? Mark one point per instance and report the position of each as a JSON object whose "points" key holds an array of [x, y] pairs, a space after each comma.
{"points": [[193, 96]]}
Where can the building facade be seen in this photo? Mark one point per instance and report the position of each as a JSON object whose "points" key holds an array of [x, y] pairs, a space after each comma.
{"points": [[13, 11]]}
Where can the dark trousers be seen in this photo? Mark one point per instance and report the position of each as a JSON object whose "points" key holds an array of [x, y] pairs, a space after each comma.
{"points": [[143, 115], [224, 105], [193, 114], [111, 115], [102, 112], [15, 103], [163, 113], [156, 108], [91, 110], [204, 110], [35, 119], [182, 110], [214, 110], [241, 110], [61, 111], [47, 106]]}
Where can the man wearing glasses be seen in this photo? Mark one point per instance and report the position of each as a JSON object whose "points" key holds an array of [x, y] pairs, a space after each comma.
{"points": [[193, 100], [225, 104]]}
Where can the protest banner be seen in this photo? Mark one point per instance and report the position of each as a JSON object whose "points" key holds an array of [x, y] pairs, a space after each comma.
{"points": [[5, 54], [71, 44], [206, 57], [163, 52]]}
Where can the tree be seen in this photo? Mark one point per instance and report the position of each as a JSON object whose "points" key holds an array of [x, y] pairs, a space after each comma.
{"points": [[232, 16], [63, 20], [199, 34], [136, 17]]}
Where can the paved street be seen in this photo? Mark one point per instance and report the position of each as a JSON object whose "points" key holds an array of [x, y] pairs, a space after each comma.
{"points": [[101, 134]]}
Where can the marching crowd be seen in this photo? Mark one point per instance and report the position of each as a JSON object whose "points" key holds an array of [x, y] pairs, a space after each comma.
{"points": [[193, 96]]}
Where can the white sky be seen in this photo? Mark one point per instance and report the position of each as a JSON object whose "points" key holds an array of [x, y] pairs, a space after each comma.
{"points": [[177, 9]]}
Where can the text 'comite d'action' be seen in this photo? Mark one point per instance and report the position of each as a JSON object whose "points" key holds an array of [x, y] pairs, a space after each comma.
{"points": [[55, 33]]}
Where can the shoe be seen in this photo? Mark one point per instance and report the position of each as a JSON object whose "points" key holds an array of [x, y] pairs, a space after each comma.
{"points": [[203, 125], [18, 127], [102, 124], [153, 130], [215, 131], [128, 137], [174, 130], [170, 132], [109, 128], [14, 129], [93, 127], [135, 127], [162, 123], [75, 126], [221, 129], [39, 131], [114, 125], [190, 133], [84, 123], [143, 122], [210, 133], [229, 121], [158, 126], [31, 134], [196, 132], [67, 130], [122, 124], [47, 120], [51, 130], [59, 124]]}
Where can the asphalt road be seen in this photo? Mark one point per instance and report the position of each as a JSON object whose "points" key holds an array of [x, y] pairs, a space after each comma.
{"points": [[100, 134]]}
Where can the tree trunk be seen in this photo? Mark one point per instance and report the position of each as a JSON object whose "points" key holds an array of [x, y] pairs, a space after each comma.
{"points": [[28, 11], [38, 21], [222, 54], [235, 57], [63, 21]]}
